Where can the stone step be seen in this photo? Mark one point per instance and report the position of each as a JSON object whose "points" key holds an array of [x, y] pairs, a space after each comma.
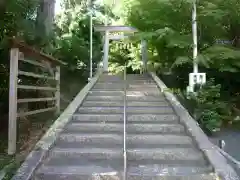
{"points": [[99, 110], [144, 88], [141, 81], [106, 89], [138, 76], [158, 145], [147, 104], [132, 85], [103, 103], [159, 139], [168, 172], [110, 79], [115, 81], [85, 153], [65, 144], [131, 128], [84, 171], [150, 91], [75, 160], [155, 128], [133, 118], [132, 139], [133, 79], [185, 177], [150, 110], [92, 139], [181, 156], [98, 118], [129, 110], [147, 98], [94, 127], [106, 93], [104, 98], [118, 96], [146, 92], [111, 83], [152, 118], [108, 86]]}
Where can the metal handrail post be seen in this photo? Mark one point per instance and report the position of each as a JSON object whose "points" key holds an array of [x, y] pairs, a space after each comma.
{"points": [[228, 156], [124, 124]]}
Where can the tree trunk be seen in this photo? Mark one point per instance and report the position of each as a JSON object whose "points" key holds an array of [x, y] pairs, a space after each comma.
{"points": [[2, 7], [45, 17]]}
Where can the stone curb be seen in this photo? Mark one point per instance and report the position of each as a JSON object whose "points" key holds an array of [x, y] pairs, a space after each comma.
{"points": [[40, 150], [216, 159]]}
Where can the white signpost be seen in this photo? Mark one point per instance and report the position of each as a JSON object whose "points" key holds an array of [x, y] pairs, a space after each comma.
{"points": [[195, 77]]}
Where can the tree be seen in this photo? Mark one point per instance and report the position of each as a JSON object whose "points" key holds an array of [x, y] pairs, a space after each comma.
{"points": [[167, 26], [45, 17], [73, 37]]}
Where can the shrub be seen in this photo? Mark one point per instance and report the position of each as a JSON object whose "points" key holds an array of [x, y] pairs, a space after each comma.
{"points": [[208, 108]]}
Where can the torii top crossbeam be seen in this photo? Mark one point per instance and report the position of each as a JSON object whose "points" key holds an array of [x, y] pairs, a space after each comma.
{"points": [[115, 29]]}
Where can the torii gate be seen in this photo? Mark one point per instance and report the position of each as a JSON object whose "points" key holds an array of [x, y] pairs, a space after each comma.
{"points": [[121, 30]]}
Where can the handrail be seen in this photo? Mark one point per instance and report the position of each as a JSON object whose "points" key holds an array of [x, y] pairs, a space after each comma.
{"points": [[228, 156], [124, 124]]}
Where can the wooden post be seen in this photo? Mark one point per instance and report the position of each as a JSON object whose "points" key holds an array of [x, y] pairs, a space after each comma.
{"points": [[12, 118], [57, 93]]}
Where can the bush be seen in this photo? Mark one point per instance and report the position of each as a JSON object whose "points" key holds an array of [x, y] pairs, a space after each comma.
{"points": [[208, 108]]}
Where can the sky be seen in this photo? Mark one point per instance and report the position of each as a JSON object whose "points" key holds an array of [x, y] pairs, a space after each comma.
{"points": [[57, 6]]}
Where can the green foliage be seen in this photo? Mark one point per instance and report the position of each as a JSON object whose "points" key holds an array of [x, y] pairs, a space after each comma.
{"points": [[209, 110], [17, 18], [69, 40], [210, 120], [73, 36], [166, 24], [125, 52]]}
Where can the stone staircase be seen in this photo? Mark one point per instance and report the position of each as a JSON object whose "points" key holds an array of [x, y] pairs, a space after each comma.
{"points": [[158, 145], [91, 145]]}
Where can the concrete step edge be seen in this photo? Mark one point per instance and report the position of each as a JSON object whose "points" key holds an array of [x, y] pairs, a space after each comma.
{"points": [[75, 170], [168, 154]]}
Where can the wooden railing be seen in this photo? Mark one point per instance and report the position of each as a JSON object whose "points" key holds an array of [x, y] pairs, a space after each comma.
{"points": [[20, 55]]}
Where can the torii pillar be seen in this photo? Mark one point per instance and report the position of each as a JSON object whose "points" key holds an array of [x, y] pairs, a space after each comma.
{"points": [[106, 51], [106, 30], [144, 54]]}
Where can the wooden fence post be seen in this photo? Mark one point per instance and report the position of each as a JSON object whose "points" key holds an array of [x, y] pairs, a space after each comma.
{"points": [[57, 93], [13, 82]]}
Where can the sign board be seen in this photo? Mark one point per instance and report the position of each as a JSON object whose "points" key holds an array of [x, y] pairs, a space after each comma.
{"points": [[196, 78]]}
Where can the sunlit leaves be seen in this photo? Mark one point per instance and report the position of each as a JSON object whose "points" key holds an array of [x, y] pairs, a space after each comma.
{"points": [[74, 36], [166, 24], [181, 60]]}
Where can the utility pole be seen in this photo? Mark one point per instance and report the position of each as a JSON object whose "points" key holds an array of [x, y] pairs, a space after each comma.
{"points": [[195, 77], [106, 42], [91, 39], [194, 30]]}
